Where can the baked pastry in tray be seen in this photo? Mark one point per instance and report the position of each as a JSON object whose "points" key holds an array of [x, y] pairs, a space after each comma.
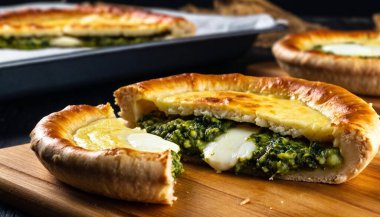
{"points": [[277, 127], [346, 58], [281, 128], [88, 25]]}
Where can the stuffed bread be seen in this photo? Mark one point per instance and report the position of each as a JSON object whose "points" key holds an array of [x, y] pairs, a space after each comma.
{"points": [[347, 58], [282, 128], [88, 25], [89, 148]]}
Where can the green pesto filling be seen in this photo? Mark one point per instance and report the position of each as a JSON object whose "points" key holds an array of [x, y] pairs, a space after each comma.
{"points": [[191, 133], [31, 43], [177, 167], [275, 154]]}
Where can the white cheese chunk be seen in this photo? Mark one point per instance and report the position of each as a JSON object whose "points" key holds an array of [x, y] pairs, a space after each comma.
{"points": [[65, 41], [352, 49], [228, 148], [151, 143]]}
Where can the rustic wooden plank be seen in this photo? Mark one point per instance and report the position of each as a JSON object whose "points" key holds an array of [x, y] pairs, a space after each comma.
{"points": [[272, 69], [26, 184]]}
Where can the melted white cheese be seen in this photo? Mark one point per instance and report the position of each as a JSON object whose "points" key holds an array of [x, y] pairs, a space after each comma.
{"points": [[111, 133], [65, 41], [352, 49], [228, 148], [150, 143]]}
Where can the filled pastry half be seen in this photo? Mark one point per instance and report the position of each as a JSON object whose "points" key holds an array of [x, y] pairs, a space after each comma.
{"points": [[88, 25], [346, 58], [281, 128], [89, 148], [275, 127]]}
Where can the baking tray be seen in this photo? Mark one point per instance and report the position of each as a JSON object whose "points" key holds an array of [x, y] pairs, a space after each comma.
{"points": [[44, 74]]}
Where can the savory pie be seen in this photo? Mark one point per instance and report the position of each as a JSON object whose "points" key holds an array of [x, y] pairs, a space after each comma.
{"points": [[282, 128], [347, 58], [276, 127], [88, 25]]}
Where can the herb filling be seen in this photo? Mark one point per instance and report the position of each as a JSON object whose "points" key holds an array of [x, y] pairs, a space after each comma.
{"points": [[191, 133], [177, 167], [275, 154], [31, 43]]}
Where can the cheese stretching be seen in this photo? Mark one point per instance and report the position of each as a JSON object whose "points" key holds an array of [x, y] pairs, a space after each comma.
{"points": [[88, 26]]}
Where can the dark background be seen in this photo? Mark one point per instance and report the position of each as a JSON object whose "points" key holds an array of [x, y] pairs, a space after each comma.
{"points": [[19, 115], [300, 7]]}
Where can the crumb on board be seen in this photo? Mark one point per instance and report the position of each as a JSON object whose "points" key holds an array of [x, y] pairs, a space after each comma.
{"points": [[282, 202], [270, 208], [245, 201]]}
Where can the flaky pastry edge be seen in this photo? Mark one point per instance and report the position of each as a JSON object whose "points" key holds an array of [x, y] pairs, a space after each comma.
{"points": [[359, 75], [119, 173]]}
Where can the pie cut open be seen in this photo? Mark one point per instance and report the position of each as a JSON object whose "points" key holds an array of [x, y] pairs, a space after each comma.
{"points": [[346, 58], [331, 134], [281, 128]]}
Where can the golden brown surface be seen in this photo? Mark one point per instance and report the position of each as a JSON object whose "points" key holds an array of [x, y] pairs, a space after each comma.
{"points": [[282, 115], [272, 69], [359, 75], [30, 187], [92, 20], [120, 173], [356, 125]]}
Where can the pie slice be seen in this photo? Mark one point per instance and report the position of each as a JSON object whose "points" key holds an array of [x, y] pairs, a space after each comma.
{"points": [[282, 128], [347, 58], [89, 148], [88, 25]]}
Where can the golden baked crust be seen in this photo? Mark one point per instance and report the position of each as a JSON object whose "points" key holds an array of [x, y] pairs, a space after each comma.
{"points": [[359, 75], [356, 126], [119, 173], [92, 20]]}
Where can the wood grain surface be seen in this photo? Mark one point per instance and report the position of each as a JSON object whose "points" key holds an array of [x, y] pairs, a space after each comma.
{"points": [[27, 185], [272, 69]]}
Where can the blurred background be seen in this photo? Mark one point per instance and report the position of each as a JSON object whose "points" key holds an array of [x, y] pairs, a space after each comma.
{"points": [[302, 8]]}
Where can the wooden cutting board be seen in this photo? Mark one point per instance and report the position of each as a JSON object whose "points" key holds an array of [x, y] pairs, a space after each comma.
{"points": [[27, 185], [272, 69]]}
